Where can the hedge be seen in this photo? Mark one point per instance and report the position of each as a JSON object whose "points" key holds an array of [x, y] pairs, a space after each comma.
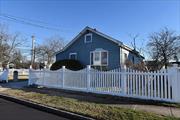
{"points": [[70, 64]]}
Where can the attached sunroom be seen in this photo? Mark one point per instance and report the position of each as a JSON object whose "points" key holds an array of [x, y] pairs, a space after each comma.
{"points": [[99, 57]]}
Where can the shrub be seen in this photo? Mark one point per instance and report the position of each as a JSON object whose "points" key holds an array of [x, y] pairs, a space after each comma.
{"points": [[140, 66], [70, 64]]}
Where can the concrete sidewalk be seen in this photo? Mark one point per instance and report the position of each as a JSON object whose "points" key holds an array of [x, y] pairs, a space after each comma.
{"points": [[161, 110]]}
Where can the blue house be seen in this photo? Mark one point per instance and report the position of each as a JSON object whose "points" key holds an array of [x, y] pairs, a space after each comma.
{"points": [[94, 48]]}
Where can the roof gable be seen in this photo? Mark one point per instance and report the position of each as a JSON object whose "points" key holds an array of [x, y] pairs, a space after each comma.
{"points": [[119, 43], [94, 31]]}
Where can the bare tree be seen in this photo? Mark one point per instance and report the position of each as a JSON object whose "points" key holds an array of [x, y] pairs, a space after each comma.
{"points": [[3, 42], [134, 37], [136, 48], [46, 51], [14, 42], [164, 45], [9, 44]]}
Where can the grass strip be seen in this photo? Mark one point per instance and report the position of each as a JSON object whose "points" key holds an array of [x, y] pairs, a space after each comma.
{"points": [[97, 111]]}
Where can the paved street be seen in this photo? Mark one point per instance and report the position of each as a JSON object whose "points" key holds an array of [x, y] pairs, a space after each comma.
{"points": [[13, 111]]}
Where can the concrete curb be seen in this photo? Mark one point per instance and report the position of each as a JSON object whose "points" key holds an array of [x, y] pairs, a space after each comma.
{"points": [[62, 113]]}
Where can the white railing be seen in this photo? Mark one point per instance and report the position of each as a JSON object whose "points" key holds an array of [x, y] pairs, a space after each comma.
{"points": [[4, 75], [161, 85]]}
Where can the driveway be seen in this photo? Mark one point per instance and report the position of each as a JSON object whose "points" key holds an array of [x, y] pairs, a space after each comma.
{"points": [[12, 111], [15, 85]]}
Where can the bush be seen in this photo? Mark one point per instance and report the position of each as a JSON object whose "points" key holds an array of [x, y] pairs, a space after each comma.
{"points": [[70, 64]]}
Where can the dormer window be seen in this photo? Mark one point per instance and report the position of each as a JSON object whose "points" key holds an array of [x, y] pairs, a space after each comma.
{"points": [[88, 38]]}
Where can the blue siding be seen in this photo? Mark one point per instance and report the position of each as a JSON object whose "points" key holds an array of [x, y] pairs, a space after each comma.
{"points": [[136, 58], [83, 50]]}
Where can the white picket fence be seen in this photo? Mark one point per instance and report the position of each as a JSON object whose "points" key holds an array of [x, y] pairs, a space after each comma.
{"points": [[161, 85]]}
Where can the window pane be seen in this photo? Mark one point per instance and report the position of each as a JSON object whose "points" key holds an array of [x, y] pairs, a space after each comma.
{"points": [[97, 56], [133, 59], [88, 38], [104, 58], [73, 56], [125, 57]]}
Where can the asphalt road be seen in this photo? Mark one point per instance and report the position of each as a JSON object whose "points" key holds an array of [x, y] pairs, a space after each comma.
{"points": [[13, 111]]}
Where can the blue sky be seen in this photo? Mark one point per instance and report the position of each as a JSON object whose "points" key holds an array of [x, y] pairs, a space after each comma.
{"points": [[117, 18]]}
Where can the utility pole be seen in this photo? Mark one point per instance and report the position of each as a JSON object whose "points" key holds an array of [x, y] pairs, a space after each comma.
{"points": [[33, 51]]}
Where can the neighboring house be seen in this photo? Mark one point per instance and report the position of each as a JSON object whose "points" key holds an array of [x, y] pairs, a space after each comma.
{"points": [[153, 65], [92, 47], [177, 63]]}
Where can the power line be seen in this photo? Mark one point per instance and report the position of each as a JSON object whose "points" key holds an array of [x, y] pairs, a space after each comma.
{"points": [[31, 20], [29, 23], [18, 20]]}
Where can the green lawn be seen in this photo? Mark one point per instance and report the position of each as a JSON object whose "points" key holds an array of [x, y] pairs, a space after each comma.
{"points": [[95, 110]]}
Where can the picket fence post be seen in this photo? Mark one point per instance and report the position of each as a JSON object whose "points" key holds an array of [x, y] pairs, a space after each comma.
{"points": [[88, 77], [123, 80], [7, 73], [63, 76], [173, 72], [29, 80], [43, 77]]}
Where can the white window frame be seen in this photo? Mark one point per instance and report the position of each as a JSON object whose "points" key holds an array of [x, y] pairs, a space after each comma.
{"points": [[100, 57], [89, 34], [73, 54]]}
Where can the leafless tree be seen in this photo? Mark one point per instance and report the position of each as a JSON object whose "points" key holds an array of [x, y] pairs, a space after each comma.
{"points": [[3, 42], [14, 42], [46, 51], [163, 46], [134, 37], [9, 44], [140, 48]]}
